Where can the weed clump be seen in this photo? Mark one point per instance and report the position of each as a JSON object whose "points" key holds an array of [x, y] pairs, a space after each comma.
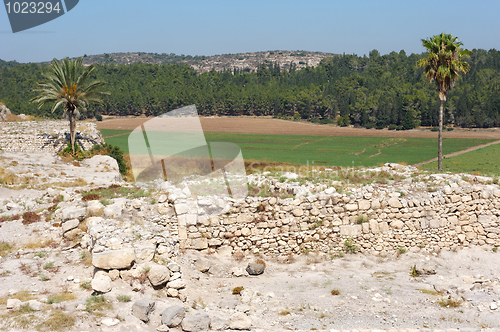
{"points": [[449, 303], [349, 246], [123, 298], [5, 248], [414, 272]]}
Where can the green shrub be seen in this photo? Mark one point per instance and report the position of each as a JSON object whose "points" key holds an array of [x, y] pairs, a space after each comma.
{"points": [[369, 125], [113, 151], [326, 121], [349, 246], [314, 120], [435, 129], [343, 121], [98, 117], [392, 126]]}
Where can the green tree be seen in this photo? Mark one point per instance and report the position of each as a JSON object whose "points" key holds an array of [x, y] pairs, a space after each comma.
{"points": [[443, 64], [64, 86]]}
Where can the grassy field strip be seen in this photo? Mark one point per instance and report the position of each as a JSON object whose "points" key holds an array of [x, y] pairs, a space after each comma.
{"points": [[484, 161], [327, 150]]}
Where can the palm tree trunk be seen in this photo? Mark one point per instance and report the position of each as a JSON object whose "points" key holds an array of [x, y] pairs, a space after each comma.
{"points": [[72, 130], [440, 135]]}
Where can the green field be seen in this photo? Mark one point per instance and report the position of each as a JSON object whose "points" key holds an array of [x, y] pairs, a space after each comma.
{"points": [[327, 150], [485, 161]]}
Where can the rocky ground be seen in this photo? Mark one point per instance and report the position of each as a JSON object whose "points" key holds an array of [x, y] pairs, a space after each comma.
{"points": [[50, 281]]}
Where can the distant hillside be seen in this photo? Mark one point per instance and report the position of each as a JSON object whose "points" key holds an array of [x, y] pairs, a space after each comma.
{"points": [[240, 61]]}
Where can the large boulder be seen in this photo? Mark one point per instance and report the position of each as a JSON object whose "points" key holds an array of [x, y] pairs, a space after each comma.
{"points": [[72, 212], [101, 283], [114, 259], [256, 268], [142, 308], [5, 113], [173, 316], [158, 274], [196, 322], [240, 321]]}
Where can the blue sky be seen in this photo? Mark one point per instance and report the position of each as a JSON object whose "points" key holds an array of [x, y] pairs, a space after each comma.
{"points": [[208, 27]]}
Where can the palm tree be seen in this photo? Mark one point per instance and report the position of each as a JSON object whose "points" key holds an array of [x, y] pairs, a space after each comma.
{"points": [[443, 64], [64, 87]]}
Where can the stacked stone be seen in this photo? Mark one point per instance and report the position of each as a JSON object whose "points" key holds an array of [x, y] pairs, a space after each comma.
{"points": [[45, 136], [378, 221], [128, 240]]}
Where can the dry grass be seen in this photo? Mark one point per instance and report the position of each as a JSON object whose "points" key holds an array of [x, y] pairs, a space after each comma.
{"points": [[429, 291], [97, 304], [57, 321], [86, 258], [41, 243], [7, 178], [65, 184], [22, 296], [450, 303], [5, 248], [61, 297]]}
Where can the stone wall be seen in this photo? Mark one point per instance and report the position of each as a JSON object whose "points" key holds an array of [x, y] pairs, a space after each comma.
{"points": [[45, 136], [377, 220]]}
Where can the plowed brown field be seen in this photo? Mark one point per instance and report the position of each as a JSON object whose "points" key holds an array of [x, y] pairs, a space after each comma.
{"points": [[270, 126]]}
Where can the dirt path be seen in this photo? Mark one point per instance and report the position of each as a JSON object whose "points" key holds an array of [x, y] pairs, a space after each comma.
{"points": [[449, 155]]}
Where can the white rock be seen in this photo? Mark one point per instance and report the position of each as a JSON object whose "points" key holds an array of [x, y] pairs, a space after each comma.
{"points": [[101, 283], [110, 321]]}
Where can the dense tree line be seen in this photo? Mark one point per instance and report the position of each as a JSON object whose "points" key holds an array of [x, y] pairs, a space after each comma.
{"points": [[370, 91]]}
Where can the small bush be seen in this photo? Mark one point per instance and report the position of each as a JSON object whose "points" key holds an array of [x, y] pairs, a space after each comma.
{"points": [[401, 250], [98, 117], [414, 272], [449, 303], [450, 129], [86, 285], [343, 121], [369, 125], [392, 126], [335, 292], [326, 121], [237, 290], [349, 246], [361, 219], [113, 151], [435, 129]]}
